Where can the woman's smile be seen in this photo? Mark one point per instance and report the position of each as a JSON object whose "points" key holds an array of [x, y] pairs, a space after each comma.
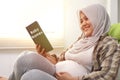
{"points": [[86, 28]]}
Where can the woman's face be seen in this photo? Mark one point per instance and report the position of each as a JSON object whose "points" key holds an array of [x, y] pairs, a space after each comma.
{"points": [[86, 25]]}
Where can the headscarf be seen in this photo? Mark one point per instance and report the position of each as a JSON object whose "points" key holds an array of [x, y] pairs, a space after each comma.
{"points": [[100, 21]]}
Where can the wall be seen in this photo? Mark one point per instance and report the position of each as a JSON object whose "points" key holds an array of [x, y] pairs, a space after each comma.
{"points": [[112, 6], [118, 11]]}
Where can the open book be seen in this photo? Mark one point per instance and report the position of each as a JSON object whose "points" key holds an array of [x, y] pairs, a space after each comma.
{"points": [[38, 36]]}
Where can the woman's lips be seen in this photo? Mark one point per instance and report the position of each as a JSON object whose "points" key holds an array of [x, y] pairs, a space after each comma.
{"points": [[86, 28]]}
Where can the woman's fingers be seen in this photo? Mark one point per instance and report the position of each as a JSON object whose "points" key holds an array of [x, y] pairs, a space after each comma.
{"points": [[38, 47], [57, 75], [40, 50], [43, 51]]}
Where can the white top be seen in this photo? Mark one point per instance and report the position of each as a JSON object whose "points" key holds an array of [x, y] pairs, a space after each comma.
{"points": [[76, 64]]}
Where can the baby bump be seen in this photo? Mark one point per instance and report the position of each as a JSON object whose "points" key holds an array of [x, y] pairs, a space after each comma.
{"points": [[71, 67]]}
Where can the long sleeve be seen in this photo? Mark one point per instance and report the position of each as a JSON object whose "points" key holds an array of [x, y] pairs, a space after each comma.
{"points": [[106, 61]]}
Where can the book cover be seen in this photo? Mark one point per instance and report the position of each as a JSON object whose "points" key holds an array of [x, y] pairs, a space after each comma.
{"points": [[38, 36]]}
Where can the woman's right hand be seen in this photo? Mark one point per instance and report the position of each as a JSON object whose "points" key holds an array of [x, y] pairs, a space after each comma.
{"points": [[40, 50]]}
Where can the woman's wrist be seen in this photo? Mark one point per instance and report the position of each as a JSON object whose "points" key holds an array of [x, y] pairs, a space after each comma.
{"points": [[51, 58]]}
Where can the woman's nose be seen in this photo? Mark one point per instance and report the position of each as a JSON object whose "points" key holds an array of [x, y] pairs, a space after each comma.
{"points": [[84, 23]]}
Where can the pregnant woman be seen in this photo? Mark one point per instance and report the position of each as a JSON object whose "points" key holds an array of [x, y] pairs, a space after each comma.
{"points": [[94, 56]]}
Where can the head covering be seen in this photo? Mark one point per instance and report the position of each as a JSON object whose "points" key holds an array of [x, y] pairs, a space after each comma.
{"points": [[100, 21], [99, 18]]}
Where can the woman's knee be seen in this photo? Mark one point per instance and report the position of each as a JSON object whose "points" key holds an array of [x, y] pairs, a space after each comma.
{"points": [[24, 59], [30, 60], [22, 64]]}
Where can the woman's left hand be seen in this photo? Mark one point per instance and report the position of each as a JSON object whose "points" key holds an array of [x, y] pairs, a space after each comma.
{"points": [[65, 76]]}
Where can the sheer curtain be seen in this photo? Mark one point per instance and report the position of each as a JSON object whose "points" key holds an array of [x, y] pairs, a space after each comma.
{"points": [[17, 14]]}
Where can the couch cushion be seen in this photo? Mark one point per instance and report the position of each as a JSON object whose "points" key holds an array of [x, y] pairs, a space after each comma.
{"points": [[115, 31]]}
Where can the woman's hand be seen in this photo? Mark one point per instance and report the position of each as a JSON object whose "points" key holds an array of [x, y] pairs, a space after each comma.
{"points": [[40, 50], [65, 76], [52, 59]]}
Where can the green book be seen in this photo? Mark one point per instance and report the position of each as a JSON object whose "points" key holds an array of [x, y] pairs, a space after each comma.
{"points": [[38, 36]]}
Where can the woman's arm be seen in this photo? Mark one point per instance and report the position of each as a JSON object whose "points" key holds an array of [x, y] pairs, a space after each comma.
{"points": [[51, 58], [109, 63]]}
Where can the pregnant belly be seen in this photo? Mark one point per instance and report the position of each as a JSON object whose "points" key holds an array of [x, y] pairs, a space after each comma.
{"points": [[71, 67]]}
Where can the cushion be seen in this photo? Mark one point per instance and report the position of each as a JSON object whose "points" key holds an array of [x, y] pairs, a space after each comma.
{"points": [[115, 31]]}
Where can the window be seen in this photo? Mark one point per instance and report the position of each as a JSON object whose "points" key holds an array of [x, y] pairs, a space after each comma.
{"points": [[17, 14]]}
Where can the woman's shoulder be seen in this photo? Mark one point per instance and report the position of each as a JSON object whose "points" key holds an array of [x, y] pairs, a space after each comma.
{"points": [[107, 44], [107, 39]]}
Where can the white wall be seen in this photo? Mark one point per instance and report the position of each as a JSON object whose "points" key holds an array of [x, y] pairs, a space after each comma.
{"points": [[112, 6], [118, 10]]}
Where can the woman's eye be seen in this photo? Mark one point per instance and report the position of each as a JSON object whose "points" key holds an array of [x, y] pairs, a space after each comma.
{"points": [[86, 18], [81, 21]]}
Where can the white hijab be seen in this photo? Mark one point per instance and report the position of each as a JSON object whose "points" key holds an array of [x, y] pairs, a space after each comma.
{"points": [[99, 18]]}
